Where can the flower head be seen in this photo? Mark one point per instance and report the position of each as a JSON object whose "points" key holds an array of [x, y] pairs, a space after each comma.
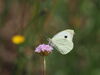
{"points": [[44, 49], [18, 39]]}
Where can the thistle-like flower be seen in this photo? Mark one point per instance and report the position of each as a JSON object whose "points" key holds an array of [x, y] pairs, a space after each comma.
{"points": [[44, 49]]}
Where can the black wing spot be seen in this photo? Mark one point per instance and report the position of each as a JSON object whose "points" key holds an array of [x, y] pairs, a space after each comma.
{"points": [[65, 36]]}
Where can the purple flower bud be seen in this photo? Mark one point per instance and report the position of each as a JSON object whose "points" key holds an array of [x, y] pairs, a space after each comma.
{"points": [[44, 49]]}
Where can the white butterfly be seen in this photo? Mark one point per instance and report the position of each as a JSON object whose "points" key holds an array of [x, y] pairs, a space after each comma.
{"points": [[63, 41]]}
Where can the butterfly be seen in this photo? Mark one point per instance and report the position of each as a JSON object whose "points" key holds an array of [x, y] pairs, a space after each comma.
{"points": [[62, 41]]}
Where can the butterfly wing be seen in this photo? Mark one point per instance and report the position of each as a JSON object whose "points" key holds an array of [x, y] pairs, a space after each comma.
{"points": [[64, 45]]}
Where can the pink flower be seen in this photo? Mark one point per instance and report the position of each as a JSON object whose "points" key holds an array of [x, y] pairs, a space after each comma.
{"points": [[44, 49]]}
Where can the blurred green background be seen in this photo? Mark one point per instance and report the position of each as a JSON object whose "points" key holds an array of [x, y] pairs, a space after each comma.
{"points": [[39, 20]]}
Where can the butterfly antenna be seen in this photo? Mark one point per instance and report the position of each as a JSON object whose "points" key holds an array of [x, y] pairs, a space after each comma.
{"points": [[49, 43]]}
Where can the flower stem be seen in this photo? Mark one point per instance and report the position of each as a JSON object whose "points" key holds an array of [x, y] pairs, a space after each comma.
{"points": [[44, 66]]}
